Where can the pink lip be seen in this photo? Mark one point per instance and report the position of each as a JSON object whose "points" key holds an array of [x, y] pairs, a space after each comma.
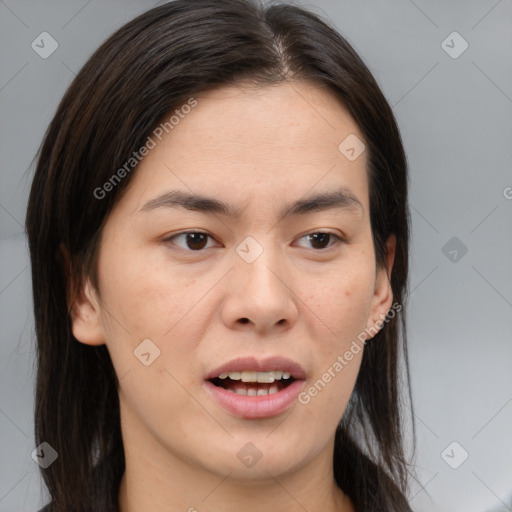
{"points": [[252, 407], [262, 365]]}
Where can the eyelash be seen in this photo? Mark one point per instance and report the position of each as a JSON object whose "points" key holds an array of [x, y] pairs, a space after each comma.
{"points": [[338, 239]]}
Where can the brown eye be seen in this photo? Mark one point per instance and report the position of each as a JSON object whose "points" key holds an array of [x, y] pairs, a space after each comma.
{"points": [[320, 240], [193, 240]]}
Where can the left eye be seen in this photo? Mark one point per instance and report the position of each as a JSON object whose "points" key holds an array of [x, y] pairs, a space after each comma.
{"points": [[320, 238], [197, 240]]}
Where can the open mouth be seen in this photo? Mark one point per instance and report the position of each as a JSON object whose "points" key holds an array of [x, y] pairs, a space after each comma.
{"points": [[249, 388], [250, 383]]}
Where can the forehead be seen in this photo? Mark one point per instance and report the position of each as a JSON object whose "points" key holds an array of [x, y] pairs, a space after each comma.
{"points": [[288, 115], [246, 141]]}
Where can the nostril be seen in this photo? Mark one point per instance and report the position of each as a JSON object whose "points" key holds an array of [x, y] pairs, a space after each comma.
{"points": [[244, 320]]}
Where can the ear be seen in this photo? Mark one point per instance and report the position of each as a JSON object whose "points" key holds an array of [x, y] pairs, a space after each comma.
{"points": [[383, 294], [85, 317], [83, 304]]}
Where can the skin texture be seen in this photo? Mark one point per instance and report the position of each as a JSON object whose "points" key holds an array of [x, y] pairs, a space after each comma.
{"points": [[256, 148]]}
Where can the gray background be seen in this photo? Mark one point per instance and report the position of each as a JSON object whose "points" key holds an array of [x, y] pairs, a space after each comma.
{"points": [[455, 115]]}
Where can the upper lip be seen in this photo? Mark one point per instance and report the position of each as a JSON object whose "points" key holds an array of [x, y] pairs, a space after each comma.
{"points": [[252, 364]]}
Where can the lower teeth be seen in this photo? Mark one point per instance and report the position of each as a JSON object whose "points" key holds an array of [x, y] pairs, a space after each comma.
{"points": [[255, 392]]}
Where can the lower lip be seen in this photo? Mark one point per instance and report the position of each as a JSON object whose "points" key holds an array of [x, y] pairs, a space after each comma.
{"points": [[255, 406]]}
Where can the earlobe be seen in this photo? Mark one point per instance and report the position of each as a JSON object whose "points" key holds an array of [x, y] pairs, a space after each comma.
{"points": [[383, 295], [85, 317], [83, 306]]}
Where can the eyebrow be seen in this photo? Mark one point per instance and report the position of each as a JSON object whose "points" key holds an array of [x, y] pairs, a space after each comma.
{"points": [[341, 198]]}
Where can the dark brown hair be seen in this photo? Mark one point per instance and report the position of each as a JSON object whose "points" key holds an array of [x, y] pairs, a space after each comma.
{"points": [[144, 71]]}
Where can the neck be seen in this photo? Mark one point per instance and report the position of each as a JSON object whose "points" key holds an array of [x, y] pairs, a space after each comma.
{"points": [[156, 479], [223, 493]]}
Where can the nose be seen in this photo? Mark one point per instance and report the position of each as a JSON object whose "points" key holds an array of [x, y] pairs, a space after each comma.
{"points": [[261, 296]]}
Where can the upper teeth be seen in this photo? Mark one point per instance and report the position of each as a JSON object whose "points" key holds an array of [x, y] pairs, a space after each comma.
{"points": [[265, 377]]}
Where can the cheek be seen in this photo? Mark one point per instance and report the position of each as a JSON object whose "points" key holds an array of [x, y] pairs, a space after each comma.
{"points": [[343, 306], [342, 302], [154, 301], [145, 297]]}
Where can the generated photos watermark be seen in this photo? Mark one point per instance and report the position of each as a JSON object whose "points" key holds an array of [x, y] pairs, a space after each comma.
{"points": [[151, 142], [343, 360]]}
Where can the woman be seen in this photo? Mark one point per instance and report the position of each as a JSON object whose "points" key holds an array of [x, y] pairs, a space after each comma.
{"points": [[218, 230]]}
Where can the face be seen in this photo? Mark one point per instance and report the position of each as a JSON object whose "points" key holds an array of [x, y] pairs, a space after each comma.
{"points": [[197, 303]]}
